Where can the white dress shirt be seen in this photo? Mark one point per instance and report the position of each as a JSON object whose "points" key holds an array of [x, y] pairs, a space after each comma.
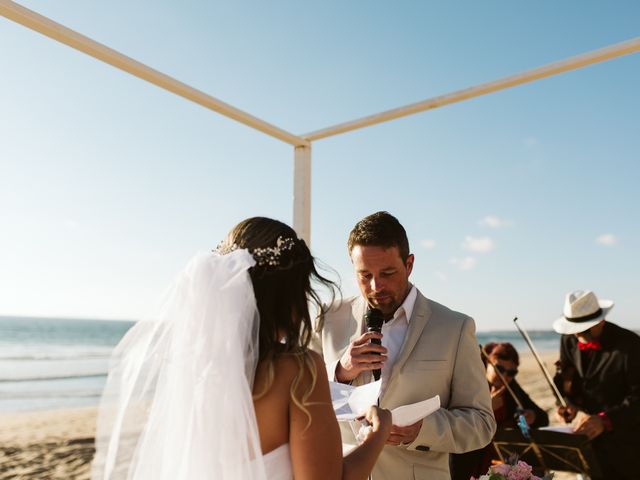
{"points": [[393, 333]]}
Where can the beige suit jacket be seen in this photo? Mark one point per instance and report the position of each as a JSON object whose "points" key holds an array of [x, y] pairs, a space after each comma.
{"points": [[440, 356]]}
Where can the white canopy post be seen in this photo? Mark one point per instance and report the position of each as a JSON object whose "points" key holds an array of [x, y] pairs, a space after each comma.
{"points": [[302, 192]]}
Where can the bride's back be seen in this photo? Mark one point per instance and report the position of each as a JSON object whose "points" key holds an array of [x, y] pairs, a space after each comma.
{"points": [[282, 284], [296, 410], [272, 408]]}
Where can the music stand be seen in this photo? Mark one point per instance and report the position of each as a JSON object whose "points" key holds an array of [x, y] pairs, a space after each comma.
{"points": [[549, 450]]}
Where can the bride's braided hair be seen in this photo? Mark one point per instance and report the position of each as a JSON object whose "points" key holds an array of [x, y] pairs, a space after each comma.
{"points": [[282, 283]]}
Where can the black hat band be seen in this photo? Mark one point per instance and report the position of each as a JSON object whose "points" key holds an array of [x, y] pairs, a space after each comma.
{"points": [[596, 314]]}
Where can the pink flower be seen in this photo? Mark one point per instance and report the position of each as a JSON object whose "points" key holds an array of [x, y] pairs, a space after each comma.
{"points": [[524, 466], [520, 471], [518, 475]]}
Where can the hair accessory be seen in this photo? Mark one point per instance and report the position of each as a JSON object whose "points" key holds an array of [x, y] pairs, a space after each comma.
{"points": [[264, 256]]}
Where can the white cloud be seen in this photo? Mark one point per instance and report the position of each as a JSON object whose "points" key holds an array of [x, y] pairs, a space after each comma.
{"points": [[477, 244], [492, 221], [428, 243], [531, 142], [607, 239], [466, 263], [441, 276]]}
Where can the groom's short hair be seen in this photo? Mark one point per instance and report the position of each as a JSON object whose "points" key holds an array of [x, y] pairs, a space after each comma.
{"points": [[380, 229]]}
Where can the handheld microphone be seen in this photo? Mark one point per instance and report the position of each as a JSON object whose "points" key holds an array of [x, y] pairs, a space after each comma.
{"points": [[374, 320]]}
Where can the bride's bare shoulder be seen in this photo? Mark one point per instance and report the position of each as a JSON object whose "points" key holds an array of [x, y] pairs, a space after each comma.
{"points": [[289, 365]]}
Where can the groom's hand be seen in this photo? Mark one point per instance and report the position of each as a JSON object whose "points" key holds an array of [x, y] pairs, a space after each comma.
{"points": [[360, 357], [404, 435]]}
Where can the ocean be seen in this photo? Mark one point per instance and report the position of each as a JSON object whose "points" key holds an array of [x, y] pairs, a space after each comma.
{"points": [[48, 363]]}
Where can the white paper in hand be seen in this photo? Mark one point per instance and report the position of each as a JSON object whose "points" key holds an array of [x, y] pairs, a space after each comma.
{"points": [[351, 402], [409, 414]]}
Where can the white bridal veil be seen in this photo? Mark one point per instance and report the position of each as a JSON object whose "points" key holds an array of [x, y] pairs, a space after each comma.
{"points": [[178, 404]]}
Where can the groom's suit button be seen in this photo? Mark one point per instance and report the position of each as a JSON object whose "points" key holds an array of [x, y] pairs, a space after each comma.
{"points": [[423, 448]]}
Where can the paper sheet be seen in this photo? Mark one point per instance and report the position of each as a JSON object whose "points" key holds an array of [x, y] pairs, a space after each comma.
{"points": [[409, 414], [351, 402], [558, 428]]}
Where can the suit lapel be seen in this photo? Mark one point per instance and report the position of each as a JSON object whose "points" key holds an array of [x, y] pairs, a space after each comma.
{"points": [[601, 357], [357, 317], [597, 362], [419, 318], [358, 308], [577, 360]]}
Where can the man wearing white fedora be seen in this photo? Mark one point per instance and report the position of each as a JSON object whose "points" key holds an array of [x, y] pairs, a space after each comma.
{"points": [[606, 382]]}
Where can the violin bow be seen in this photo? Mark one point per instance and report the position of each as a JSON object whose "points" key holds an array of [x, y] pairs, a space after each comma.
{"points": [[522, 422], [556, 392], [505, 382]]}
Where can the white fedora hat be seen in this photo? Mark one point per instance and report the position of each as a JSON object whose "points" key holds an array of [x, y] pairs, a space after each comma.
{"points": [[582, 310]]}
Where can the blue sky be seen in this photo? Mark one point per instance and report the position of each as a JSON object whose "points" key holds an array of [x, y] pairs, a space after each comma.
{"points": [[108, 185]]}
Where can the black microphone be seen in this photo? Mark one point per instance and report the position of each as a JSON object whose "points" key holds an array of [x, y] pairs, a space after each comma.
{"points": [[374, 320]]}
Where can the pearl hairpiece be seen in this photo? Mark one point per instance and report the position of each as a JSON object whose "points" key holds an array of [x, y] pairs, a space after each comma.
{"points": [[265, 256]]}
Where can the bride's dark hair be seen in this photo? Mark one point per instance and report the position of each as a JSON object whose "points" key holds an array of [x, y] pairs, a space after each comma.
{"points": [[283, 282]]}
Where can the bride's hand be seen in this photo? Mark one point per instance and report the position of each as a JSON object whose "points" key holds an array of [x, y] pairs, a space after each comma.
{"points": [[379, 419]]}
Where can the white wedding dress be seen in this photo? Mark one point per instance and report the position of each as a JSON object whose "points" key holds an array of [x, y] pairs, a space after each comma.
{"points": [[178, 400], [277, 463]]}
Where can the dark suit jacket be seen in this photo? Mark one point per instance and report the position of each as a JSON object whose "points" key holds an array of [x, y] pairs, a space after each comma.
{"points": [[610, 383]]}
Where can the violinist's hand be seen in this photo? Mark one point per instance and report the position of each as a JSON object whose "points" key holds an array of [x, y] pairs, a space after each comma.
{"points": [[497, 400], [591, 426], [529, 416], [567, 413]]}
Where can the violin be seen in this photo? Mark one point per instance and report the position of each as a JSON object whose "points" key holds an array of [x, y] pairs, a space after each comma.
{"points": [[568, 382]]}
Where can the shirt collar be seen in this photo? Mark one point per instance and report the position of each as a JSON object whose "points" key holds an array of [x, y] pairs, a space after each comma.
{"points": [[406, 308]]}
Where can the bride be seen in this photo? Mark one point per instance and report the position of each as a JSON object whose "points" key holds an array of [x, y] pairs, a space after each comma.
{"points": [[220, 384]]}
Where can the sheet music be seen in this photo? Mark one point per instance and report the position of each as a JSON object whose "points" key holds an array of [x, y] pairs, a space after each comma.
{"points": [[558, 428]]}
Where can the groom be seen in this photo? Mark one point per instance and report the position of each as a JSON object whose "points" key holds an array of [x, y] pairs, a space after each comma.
{"points": [[426, 350]]}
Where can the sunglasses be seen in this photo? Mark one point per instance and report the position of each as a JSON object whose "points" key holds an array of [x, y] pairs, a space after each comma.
{"points": [[506, 371]]}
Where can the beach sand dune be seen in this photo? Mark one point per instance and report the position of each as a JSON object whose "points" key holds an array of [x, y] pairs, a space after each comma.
{"points": [[58, 444]]}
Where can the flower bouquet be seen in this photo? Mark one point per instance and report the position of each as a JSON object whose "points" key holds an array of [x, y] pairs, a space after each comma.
{"points": [[516, 470]]}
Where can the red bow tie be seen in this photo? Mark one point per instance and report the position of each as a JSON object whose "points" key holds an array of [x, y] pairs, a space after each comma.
{"points": [[589, 346]]}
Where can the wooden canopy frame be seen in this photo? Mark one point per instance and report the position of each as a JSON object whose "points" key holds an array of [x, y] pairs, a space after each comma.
{"points": [[301, 143]]}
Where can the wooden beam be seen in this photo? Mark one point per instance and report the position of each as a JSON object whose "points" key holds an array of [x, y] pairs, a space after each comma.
{"points": [[60, 33], [579, 61]]}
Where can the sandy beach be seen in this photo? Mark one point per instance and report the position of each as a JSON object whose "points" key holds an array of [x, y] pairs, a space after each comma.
{"points": [[58, 444]]}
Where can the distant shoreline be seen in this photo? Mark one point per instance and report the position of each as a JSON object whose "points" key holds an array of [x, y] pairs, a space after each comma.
{"points": [[50, 318]]}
